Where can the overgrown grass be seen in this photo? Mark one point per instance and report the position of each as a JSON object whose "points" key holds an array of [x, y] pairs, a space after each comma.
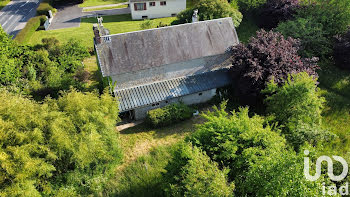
{"points": [[106, 8], [3, 3], [116, 24], [89, 3]]}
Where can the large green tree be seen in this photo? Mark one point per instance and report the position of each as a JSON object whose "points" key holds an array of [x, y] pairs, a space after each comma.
{"points": [[61, 147]]}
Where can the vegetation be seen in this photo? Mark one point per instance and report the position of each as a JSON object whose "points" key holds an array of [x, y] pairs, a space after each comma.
{"points": [[250, 5], [116, 24], [106, 8], [44, 8], [342, 51], [268, 55], [147, 24], [297, 105], [61, 147], [210, 9], [190, 172], [169, 114], [275, 11], [32, 25], [90, 3], [3, 3]]}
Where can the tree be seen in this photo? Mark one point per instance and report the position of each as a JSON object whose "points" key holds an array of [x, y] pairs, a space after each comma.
{"points": [[250, 5], [342, 51], [210, 9], [311, 34], [267, 55], [236, 141], [191, 173], [62, 146], [297, 105], [275, 11]]}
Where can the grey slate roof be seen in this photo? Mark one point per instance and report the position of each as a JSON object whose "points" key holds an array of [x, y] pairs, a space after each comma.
{"points": [[131, 98], [135, 51]]}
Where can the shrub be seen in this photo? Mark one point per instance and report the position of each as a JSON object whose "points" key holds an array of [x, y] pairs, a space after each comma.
{"points": [[311, 35], [297, 105], [334, 15], [210, 9], [32, 25], [275, 11], [191, 173], [236, 140], [69, 144], [250, 5], [169, 115], [342, 51], [44, 8], [267, 55], [147, 24]]}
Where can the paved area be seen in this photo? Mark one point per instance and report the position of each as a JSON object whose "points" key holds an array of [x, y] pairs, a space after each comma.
{"points": [[14, 16], [69, 16], [66, 17]]}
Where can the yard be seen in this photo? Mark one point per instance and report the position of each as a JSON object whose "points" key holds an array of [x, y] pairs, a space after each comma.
{"points": [[89, 3], [116, 24]]}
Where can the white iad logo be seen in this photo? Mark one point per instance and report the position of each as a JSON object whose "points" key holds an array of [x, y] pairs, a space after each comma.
{"points": [[330, 167]]}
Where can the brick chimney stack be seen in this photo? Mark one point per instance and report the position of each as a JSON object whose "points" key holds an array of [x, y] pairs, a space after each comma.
{"points": [[97, 34]]}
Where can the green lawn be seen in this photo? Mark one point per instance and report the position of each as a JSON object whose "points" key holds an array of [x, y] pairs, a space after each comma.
{"points": [[106, 8], [246, 29], [116, 24], [89, 3], [3, 3]]}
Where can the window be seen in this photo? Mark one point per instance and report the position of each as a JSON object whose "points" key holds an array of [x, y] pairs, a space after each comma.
{"points": [[144, 17], [140, 6], [173, 15], [163, 3], [200, 94], [152, 4]]}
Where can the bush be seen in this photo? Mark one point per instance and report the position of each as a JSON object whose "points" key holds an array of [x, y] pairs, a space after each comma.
{"points": [[65, 145], [191, 173], [44, 8], [236, 140], [32, 25], [250, 5], [275, 11], [147, 24], [267, 55], [210, 9], [334, 15], [311, 35], [297, 105], [342, 51], [169, 115]]}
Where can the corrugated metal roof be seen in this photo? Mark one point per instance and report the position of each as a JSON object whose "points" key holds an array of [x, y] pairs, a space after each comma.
{"points": [[141, 50], [131, 98]]}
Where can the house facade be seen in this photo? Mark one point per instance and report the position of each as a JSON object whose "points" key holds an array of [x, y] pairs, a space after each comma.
{"points": [[153, 68], [143, 9]]}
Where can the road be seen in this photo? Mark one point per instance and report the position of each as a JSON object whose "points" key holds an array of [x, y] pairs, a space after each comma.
{"points": [[14, 16]]}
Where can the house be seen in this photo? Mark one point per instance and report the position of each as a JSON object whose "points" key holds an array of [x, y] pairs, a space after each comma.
{"points": [[143, 9], [156, 67]]}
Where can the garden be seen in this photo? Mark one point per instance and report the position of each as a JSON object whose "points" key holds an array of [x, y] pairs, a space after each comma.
{"points": [[291, 93]]}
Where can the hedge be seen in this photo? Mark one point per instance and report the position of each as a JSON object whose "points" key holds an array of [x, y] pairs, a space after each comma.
{"points": [[44, 8], [32, 25], [168, 115]]}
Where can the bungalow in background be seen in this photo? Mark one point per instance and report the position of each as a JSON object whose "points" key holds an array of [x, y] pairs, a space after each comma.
{"points": [[146, 9], [153, 68]]}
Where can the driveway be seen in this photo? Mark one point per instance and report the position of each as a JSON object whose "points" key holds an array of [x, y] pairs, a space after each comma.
{"points": [[15, 15], [66, 17], [69, 16]]}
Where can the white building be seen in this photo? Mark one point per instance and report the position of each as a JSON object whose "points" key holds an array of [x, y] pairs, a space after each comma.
{"points": [[143, 9]]}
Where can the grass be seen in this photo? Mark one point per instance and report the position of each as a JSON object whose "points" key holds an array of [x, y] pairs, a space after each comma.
{"points": [[106, 8], [89, 3], [3, 3], [116, 24], [247, 28]]}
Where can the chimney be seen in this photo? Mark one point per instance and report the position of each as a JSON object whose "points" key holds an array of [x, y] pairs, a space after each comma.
{"points": [[195, 16], [97, 34]]}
